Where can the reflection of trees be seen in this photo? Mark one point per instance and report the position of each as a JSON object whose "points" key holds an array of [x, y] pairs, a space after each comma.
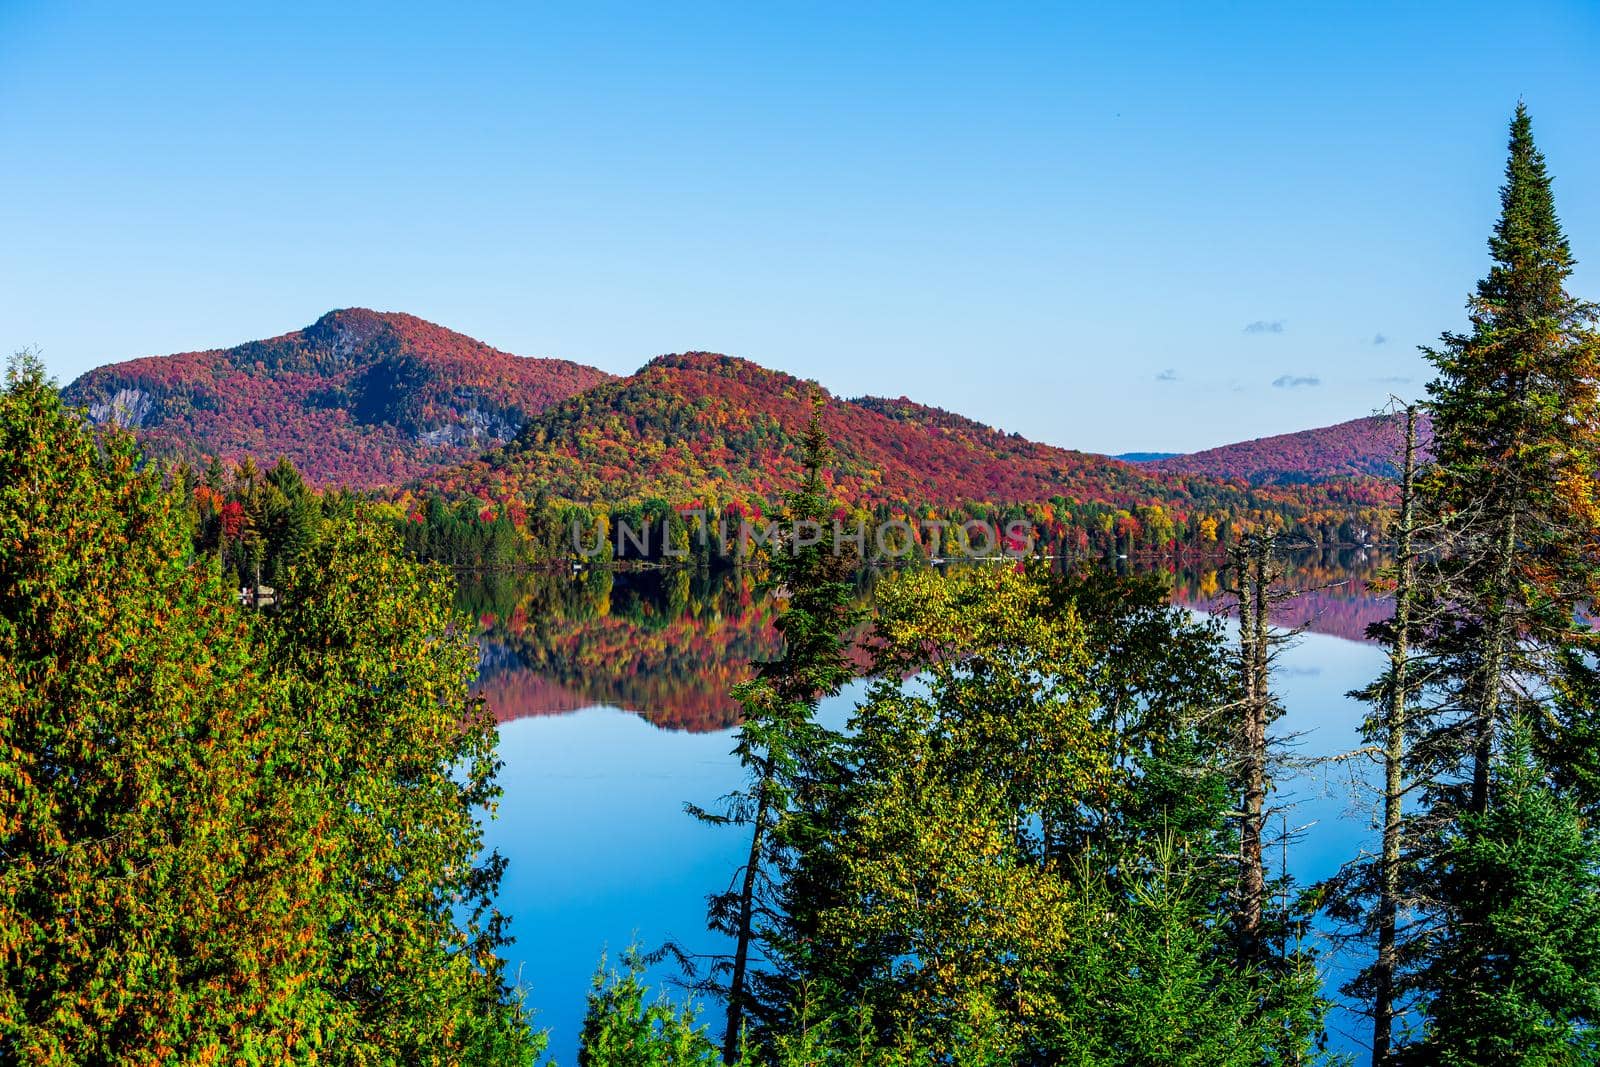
{"points": [[670, 644], [1333, 587]]}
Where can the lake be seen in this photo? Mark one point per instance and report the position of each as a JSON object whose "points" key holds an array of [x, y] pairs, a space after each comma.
{"points": [[611, 693]]}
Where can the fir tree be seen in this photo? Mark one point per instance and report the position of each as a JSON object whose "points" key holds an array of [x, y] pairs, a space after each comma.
{"points": [[1515, 977], [1509, 539], [625, 1027], [779, 742], [1513, 491]]}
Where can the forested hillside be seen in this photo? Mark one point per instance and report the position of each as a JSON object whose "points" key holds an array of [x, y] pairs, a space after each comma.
{"points": [[701, 427], [1356, 450], [359, 398], [700, 424]]}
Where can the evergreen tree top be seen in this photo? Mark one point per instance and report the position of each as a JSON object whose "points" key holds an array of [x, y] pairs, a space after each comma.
{"points": [[1528, 234]]}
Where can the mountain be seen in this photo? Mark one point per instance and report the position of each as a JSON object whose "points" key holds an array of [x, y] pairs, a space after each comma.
{"points": [[698, 426], [1144, 457], [358, 398], [1359, 449], [364, 399]]}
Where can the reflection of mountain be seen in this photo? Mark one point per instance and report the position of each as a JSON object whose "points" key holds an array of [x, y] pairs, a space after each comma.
{"points": [[1333, 588], [669, 645]]}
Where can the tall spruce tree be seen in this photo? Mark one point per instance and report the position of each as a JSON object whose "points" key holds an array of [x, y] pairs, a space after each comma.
{"points": [[1509, 537], [1513, 490]]}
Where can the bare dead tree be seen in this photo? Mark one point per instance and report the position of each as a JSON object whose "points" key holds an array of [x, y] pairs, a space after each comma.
{"points": [[1377, 893], [1258, 587], [1394, 757]]}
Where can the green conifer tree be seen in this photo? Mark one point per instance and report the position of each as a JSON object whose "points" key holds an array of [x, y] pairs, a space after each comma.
{"points": [[149, 911], [779, 742], [1514, 978], [230, 837], [1513, 496]]}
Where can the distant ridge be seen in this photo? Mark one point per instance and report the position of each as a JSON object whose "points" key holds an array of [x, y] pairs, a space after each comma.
{"points": [[358, 398], [1361, 448], [1144, 457]]}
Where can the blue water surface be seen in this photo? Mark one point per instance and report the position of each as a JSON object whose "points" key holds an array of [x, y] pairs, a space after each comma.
{"points": [[602, 854]]}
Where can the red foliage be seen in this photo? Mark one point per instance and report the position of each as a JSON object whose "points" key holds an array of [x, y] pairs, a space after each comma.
{"points": [[700, 426], [362, 399], [232, 516]]}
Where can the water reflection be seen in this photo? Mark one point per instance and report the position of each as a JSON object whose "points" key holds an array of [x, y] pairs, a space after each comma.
{"points": [[669, 645], [665, 645], [1333, 592]]}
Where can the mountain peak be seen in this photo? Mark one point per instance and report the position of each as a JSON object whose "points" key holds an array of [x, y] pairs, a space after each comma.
{"points": [[347, 330], [359, 397], [736, 368]]}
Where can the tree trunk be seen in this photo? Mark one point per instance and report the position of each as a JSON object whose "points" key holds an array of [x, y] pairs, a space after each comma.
{"points": [[1254, 657], [1494, 669], [1394, 751], [742, 935]]}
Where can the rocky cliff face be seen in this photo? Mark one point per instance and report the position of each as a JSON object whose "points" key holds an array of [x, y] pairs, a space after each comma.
{"points": [[126, 407]]}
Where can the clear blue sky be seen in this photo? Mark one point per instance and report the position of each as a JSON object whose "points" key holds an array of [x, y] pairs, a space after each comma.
{"points": [[1029, 215]]}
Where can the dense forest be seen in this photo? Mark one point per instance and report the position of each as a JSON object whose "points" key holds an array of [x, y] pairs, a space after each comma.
{"points": [[241, 831], [716, 434], [249, 516]]}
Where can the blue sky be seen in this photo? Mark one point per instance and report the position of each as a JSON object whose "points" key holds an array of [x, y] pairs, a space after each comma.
{"points": [[1108, 231]]}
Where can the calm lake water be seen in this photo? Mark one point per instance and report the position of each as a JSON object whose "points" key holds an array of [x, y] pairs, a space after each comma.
{"points": [[611, 692]]}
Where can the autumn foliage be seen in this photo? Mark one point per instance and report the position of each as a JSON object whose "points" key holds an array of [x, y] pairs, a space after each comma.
{"points": [[1362, 450], [229, 836], [719, 432], [359, 398], [362, 399]]}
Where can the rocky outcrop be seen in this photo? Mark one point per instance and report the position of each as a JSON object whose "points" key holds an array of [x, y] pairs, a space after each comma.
{"points": [[126, 407]]}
